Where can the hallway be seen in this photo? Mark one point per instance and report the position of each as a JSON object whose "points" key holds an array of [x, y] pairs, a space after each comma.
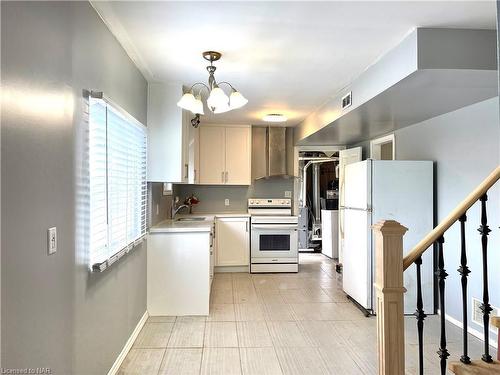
{"points": [[292, 324]]}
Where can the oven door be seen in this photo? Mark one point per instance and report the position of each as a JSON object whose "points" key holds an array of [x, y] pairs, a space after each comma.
{"points": [[274, 243]]}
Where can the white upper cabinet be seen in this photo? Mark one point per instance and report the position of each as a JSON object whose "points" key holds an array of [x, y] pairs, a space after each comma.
{"points": [[212, 155], [225, 154], [172, 145]]}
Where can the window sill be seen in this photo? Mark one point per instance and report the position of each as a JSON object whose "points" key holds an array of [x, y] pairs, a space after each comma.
{"points": [[103, 266]]}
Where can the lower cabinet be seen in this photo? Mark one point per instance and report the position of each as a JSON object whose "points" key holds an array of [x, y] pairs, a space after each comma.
{"points": [[233, 241], [179, 273]]}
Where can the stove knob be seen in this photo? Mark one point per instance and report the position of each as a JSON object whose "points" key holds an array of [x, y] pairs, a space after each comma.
{"points": [[252, 202]]}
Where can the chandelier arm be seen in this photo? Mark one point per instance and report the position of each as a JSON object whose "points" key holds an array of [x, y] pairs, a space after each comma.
{"points": [[227, 83], [199, 83]]}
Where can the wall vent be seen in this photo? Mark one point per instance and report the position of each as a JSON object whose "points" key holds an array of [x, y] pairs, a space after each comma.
{"points": [[347, 100], [477, 314]]}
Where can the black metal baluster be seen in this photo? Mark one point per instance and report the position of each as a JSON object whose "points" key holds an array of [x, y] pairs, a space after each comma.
{"points": [[485, 306], [441, 274], [420, 315], [464, 272]]}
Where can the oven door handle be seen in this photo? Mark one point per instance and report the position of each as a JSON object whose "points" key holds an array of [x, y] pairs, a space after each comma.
{"points": [[274, 226]]}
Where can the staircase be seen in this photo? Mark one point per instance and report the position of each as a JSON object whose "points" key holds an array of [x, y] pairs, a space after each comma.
{"points": [[390, 267]]}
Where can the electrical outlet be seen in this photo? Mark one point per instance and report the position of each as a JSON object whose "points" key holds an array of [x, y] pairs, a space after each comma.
{"points": [[52, 240], [288, 194], [226, 202]]}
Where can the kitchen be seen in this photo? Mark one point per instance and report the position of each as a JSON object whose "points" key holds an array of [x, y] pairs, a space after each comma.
{"points": [[191, 188]]}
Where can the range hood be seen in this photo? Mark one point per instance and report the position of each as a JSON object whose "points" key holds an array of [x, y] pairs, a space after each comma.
{"points": [[272, 152]]}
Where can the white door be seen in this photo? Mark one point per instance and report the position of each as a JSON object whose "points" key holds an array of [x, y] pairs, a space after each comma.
{"points": [[212, 155], [238, 155], [233, 242], [346, 157]]}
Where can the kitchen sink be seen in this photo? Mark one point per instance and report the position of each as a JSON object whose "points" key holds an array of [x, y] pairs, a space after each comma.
{"points": [[198, 218]]}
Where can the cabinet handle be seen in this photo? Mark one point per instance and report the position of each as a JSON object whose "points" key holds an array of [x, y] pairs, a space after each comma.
{"points": [[227, 176], [222, 176], [246, 226], [187, 171], [194, 175]]}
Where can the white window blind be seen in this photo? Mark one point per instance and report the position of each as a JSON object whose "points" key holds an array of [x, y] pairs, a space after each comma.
{"points": [[118, 186]]}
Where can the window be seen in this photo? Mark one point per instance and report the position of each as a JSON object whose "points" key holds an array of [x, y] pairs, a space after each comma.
{"points": [[117, 180]]}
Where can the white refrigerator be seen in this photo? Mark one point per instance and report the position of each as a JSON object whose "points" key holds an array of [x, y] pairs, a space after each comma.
{"points": [[378, 190]]}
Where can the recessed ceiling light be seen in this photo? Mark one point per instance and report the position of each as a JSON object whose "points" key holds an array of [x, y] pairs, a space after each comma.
{"points": [[274, 117]]}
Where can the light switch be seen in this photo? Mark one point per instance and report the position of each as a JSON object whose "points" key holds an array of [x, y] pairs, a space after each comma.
{"points": [[226, 202], [52, 240]]}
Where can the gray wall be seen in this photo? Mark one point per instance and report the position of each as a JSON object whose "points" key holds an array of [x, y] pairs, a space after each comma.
{"points": [[54, 312], [465, 146], [212, 197]]}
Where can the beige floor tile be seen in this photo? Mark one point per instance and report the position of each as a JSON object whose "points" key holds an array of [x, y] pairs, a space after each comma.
{"points": [[187, 335], [221, 361], [142, 361], [301, 361], [253, 335], [287, 334], [321, 333], [221, 335], [249, 311], [270, 296], [222, 283], [259, 361], [339, 361], [154, 335], [161, 319], [221, 312], [278, 312], [245, 295], [221, 296], [181, 361], [191, 319]]}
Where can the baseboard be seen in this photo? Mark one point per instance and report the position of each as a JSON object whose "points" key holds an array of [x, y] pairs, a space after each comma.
{"points": [[128, 345], [472, 331], [232, 269]]}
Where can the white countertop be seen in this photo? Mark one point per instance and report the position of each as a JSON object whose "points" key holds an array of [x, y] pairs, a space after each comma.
{"points": [[169, 226], [174, 226]]}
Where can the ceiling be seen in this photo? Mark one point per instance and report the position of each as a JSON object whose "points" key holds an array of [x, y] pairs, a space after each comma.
{"points": [[285, 57]]}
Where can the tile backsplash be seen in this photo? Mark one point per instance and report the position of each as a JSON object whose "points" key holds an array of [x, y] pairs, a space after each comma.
{"points": [[212, 198]]}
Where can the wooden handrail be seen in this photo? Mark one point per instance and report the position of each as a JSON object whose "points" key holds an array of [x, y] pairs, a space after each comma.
{"points": [[461, 209]]}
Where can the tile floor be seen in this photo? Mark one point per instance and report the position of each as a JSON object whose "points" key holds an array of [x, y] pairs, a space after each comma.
{"points": [[266, 324]]}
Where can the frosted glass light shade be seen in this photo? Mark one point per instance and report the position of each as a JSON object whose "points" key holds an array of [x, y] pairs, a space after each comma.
{"points": [[217, 98], [222, 108], [236, 100], [197, 106], [187, 101]]}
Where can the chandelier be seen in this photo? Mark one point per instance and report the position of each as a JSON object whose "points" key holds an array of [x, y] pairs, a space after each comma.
{"points": [[217, 101]]}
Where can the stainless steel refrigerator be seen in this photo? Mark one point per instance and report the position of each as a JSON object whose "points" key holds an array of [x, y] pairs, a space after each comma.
{"points": [[386, 190]]}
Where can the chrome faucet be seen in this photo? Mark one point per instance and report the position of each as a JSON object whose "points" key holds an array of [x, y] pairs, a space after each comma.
{"points": [[175, 209]]}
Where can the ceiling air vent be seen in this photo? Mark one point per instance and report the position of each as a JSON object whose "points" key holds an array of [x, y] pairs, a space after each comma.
{"points": [[347, 100]]}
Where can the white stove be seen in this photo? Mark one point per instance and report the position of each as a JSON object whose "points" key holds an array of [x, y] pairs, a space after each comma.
{"points": [[274, 241]]}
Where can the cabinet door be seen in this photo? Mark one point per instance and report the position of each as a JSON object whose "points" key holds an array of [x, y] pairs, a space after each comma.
{"points": [[233, 242], [166, 154], [212, 153], [238, 155], [193, 155]]}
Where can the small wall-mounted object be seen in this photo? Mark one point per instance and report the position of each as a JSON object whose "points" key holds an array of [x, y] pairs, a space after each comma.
{"points": [[346, 100], [167, 188], [51, 240]]}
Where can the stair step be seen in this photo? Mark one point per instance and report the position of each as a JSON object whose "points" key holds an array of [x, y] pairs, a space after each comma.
{"points": [[475, 368]]}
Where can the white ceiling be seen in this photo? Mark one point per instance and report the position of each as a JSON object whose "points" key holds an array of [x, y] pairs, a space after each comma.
{"points": [[285, 57]]}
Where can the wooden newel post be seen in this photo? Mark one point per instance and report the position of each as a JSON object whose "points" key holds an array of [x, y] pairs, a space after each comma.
{"points": [[390, 290]]}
